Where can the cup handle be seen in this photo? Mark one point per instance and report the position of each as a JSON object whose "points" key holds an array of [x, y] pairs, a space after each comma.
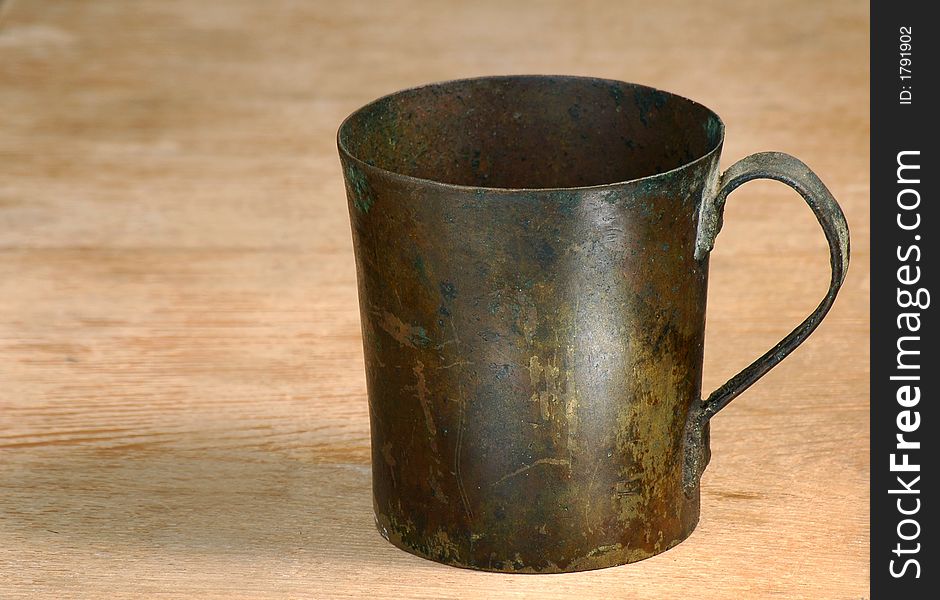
{"points": [[793, 172]]}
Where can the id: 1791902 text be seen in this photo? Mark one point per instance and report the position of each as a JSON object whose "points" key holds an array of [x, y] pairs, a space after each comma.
{"points": [[904, 64]]}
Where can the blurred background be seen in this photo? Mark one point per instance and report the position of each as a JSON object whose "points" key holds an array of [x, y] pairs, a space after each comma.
{"points": [[182, 396]]}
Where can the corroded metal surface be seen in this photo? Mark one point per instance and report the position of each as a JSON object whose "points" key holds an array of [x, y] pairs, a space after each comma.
{"points": [[533, 310]]}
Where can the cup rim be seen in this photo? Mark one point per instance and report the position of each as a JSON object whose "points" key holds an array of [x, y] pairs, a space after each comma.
{"points": [[423, 181]]}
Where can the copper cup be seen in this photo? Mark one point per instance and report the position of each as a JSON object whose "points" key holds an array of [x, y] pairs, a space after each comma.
{"points": [[532, 257]]}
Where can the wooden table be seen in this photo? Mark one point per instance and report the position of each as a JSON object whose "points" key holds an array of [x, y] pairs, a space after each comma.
{"points": [[182, 398]]}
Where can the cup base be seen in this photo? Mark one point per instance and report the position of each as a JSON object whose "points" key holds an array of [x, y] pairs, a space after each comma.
{"points": [[600, 558]]}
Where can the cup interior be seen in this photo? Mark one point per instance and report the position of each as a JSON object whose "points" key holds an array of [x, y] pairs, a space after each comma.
{"points": [[530, 132]]}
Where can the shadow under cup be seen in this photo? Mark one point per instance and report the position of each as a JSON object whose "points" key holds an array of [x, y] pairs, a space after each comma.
{"points": [[532, 316]]}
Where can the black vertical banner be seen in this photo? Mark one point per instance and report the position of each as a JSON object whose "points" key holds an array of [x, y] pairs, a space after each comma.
{"points": [[905, 369]]}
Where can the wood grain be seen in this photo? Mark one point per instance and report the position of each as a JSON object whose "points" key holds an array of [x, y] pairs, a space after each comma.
{"points": [[182, 398]]}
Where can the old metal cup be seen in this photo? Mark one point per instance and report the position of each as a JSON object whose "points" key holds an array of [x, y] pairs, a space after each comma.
{"points": [[532, 257]]}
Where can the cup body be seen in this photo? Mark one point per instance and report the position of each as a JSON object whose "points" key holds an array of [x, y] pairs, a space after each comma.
{"points": [[532, 316]]}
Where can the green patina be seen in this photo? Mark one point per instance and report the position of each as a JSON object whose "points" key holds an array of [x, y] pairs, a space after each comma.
{"points": [[646, 100], [420, 267], [419, 337], [359, 189], [568, 202], [616, 93], [712, 127]]}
